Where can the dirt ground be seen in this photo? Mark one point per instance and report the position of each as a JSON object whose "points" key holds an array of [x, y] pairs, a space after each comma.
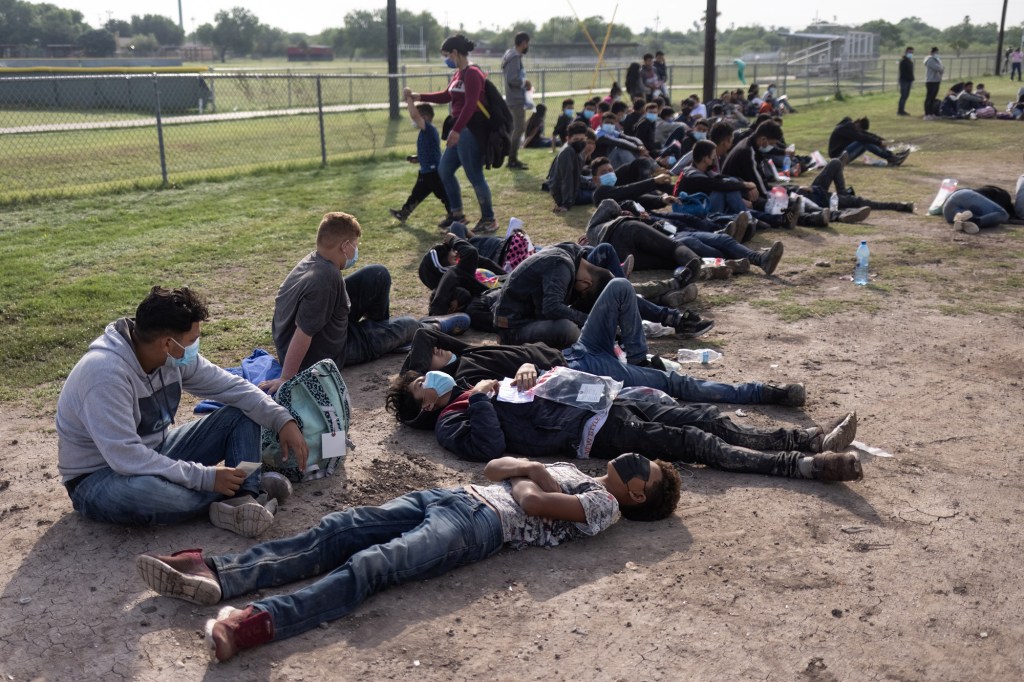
{"points": [[915, 573]]}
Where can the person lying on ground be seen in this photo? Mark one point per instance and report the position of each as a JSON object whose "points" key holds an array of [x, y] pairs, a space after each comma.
{"points": [[364, 550], [478, 426], [832, 177], [968, 210], [118, 458], [616, 311]]}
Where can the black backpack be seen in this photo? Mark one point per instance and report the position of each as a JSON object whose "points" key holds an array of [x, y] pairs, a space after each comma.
{"points": [[491, 125]]}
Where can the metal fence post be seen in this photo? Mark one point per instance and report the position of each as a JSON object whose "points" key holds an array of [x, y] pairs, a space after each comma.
{"points": [[883, 76], [862, 78], [785, 78], [405, 78], [160, 130], [543, 84], [320, 116], [289, 88]]}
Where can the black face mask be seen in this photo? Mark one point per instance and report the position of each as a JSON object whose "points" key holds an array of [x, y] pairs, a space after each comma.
{"points": [[632, 465], [578, 146]]}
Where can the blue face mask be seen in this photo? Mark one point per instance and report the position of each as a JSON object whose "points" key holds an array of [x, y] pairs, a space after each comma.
{"points": [[767, 149], [910, 55], [608, 179], [439, 382], [608, 127], [672, 160], [571, 113], [698, 135], [351, 261], [651, 116], [191, 353], [449, 62], [588, 114]]}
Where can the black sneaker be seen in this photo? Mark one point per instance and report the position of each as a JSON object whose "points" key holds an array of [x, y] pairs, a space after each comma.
{"points": [[685, 274], [447, 221], [517, 165], [401, 215], [689, 325]]}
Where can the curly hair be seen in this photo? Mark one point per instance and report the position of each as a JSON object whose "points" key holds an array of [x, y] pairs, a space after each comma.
{"points": [[168, 311], [661, 501]]}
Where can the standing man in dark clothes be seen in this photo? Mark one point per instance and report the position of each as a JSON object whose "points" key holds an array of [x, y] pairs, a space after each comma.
{"points": [[906, 80], [515, 94]]}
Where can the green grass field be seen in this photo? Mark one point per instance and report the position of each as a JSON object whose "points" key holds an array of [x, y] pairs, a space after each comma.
{"points": [[73, 264]]}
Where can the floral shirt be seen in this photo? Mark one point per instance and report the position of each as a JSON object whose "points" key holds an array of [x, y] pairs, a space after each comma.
{"points": [[520, 530]]}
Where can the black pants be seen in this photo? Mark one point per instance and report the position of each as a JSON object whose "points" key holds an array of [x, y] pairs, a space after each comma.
{"points": [[931, 93], [698, 433], [425, 184], [651, 249], [904, 94]]}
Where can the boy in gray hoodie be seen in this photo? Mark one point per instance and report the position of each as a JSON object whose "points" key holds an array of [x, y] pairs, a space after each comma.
{"points": [[117, 455]]}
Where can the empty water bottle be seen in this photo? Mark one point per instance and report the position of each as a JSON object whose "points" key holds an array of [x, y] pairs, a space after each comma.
{"points": [[778, 201], [833, 202], [860, 273], [787, 163], [702, 355]]}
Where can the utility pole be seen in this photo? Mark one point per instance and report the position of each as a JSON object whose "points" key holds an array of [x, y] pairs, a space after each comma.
{"points": [[181, 18], [710, 35], [999, 50], [393, 60]]}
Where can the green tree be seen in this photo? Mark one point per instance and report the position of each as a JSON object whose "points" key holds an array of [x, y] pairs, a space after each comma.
{"points": [[118, 26], [144, 45], [959, 36], [53, 25], [98, 42], [16, 22], [236, 30], [166, 31], [890, 35]]}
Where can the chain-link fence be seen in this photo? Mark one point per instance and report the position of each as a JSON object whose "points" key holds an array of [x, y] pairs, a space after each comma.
{"points": [[61, 133]]}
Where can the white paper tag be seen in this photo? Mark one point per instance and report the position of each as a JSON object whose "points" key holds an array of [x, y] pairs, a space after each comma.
{"points": [[248, 467], [507, 393], [590, 393], [332, 445]]}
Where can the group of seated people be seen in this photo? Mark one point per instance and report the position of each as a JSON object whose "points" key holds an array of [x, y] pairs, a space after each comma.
{"points": [[566, 318]]}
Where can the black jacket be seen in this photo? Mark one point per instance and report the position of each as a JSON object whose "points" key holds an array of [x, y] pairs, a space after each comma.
{"points": [[907, 69], [744, 163], [843, 134], [541, 288]]}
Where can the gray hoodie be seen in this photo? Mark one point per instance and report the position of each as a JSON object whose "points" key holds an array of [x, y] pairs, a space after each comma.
{"points": [[112, 414], [933, 69], [515, 77]]}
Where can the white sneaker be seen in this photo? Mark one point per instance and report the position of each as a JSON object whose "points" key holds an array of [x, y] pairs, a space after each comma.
{"points": [[961, 223], [243, 515]]}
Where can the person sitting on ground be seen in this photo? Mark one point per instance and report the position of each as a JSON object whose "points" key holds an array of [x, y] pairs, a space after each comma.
{"points": [[727, 195], [602, 109], [644, 130], [969, 102], [745, 162], [568, 115], [118, 458], [687, 138], [854, 137], [320, 314], [460, 280], [479, 427], [565, 178], [650, 193], [589, 111], [424, 534], [428, 155], [534, 137], [629, 121], [547, 298], [614, 93], [623, 150], [665, 127]]}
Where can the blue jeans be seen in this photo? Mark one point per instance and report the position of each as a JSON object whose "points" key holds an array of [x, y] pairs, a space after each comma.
{"points": [[904, 95], [468, 155], [359, 552], [225, 435], [605, 256], [715, 245], [371, 331], [594, 353], [855, 149], [987, 213], [729, 203]]}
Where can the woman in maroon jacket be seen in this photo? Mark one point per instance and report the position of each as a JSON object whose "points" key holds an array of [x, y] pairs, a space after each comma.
{"points": [[466, 139]]}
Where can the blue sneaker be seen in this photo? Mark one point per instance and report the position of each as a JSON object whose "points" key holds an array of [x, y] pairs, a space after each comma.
{"points": [[453, 324]]}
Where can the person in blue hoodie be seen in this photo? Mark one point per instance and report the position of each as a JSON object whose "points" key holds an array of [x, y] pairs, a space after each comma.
{"points": [[119, 458]]}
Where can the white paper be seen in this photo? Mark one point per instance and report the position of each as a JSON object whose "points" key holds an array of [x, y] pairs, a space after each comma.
{"points": [[249, 467], [507, 393], [332, 445], [590, 393]]}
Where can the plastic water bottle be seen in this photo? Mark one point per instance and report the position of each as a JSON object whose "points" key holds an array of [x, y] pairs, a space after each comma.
{"points": [[860, 273], [778, 201], [947, 187], [833, 202], [702, 355], [787, 163]]}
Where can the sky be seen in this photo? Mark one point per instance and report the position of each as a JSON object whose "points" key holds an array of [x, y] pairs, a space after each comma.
{"points": [[312, 16]]}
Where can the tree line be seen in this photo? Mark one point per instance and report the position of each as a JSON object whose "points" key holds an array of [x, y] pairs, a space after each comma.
{"points": [[240, 33]]}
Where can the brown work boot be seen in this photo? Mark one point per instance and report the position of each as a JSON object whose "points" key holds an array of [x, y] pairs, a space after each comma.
{"points": [[237, 629], [183, 575], [679, 297], [837, 466], [768, 259], [739, 266]]}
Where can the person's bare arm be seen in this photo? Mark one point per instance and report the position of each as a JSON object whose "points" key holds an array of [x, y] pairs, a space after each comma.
{"points": [[414, 114], [504, 468], [292, 360], [550, 505]]}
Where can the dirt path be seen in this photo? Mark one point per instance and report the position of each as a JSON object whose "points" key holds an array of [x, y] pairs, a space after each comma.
{"points": [[914, 573]]}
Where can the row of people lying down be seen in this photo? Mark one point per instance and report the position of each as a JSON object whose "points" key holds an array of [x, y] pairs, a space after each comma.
{"points": [[735, 176]]}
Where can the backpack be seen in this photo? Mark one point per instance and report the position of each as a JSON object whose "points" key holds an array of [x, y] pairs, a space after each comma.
{"points": [[317, 399], [517, 248], [494, 124]]}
